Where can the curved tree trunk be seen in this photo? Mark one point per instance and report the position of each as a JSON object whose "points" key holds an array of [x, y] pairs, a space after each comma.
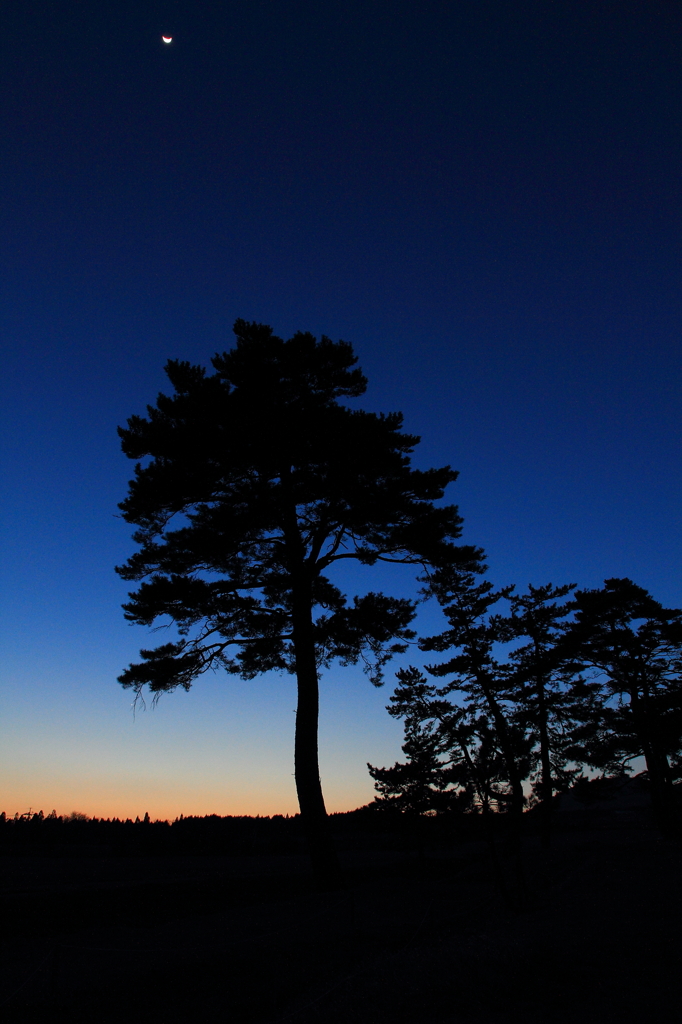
{"points": [[658, 768], [547, 782], [518, 800], [323, 855]]}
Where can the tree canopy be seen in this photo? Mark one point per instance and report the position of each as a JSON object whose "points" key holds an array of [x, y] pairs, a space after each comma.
{"points": [[633, 646]]}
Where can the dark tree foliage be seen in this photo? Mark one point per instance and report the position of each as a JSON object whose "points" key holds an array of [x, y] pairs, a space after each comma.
{"points": [[256, 481], [634, 645], [433, 778], [454, 762], [532, 698], [474, 672], [421, 784], [559, 683], [551, 699]]}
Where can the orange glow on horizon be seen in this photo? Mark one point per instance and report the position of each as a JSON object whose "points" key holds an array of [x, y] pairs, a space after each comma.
{"points": [[133, 802]]}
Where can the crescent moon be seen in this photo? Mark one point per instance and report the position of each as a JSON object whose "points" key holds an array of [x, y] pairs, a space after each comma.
{"points": [[167, 39]]}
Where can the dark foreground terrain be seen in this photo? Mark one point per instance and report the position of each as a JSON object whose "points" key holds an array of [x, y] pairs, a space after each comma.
{"points": [[431, 928]]}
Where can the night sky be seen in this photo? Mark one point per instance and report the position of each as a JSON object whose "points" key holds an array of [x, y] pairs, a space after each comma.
{"points": [[482, 197]]}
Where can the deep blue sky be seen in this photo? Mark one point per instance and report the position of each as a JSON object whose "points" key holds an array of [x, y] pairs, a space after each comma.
{"points": [[482, 197]]}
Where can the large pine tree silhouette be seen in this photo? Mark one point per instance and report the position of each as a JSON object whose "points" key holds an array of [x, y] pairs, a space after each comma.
{"points": [[256, 482]]}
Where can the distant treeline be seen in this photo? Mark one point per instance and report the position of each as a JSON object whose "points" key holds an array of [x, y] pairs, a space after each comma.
{"points": [[77, 834], [74, 833]]}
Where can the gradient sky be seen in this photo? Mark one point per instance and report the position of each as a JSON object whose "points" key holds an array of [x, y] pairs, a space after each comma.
{"points": [[482, 197]]}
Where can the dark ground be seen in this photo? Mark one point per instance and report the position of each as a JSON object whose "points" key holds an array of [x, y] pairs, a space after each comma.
{"points": [[592, 934]]}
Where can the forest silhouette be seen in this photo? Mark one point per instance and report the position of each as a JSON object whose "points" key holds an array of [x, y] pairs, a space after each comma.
{"points": [[512, 840]]}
